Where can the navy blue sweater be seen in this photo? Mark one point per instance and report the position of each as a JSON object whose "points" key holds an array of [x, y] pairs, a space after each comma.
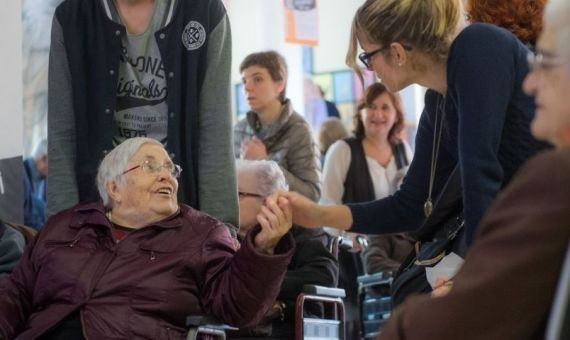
{"points": [[486, 129]]}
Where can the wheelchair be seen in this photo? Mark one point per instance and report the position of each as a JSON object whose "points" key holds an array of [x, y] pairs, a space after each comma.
{"points": [[375, 302], [374, 298], [327, 328], [331, 327]]}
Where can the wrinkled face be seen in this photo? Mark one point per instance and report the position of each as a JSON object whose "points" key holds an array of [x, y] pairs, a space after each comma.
{"points": [[549, 82], [379, 117], [147, 196], [386, 71], [260, 89], [250, 201]]}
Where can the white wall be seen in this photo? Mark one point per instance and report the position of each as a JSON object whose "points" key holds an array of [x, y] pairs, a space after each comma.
{"points": [[11, 123], [335, 18], [259, 25]]}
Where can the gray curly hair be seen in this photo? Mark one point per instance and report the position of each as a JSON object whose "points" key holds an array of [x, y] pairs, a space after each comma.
{"points": [[115, 162], [270, 177]]}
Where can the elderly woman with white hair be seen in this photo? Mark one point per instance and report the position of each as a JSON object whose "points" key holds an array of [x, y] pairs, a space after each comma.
{"points": [[137, 263], [312, 263], [506, 286]]}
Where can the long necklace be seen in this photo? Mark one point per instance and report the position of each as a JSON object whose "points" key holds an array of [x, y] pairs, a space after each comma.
{"points": [[437, 128]]}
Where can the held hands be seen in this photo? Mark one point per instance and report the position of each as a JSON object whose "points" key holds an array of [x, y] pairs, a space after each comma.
{"points": [[306, 213], [276, 220], [442, 287], [253, 149]]}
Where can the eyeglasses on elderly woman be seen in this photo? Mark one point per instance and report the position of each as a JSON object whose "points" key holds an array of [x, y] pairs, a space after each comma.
{"points": [[152, 166], [542, 60], [242, 194]]}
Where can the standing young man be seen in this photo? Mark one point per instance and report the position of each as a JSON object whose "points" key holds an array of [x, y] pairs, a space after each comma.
{"points": [[154, 68]]}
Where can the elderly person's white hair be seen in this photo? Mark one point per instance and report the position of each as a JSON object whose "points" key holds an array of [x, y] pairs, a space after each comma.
{"points": [[269, 176], [557, 14], [115, 163], [40, 149]]}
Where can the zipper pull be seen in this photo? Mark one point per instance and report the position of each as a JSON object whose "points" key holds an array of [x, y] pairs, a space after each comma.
{"points": [[152, 255], [72, 244]]}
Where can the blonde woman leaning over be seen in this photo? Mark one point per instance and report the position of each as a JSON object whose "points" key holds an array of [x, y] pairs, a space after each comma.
{"points": [[476, 114]]}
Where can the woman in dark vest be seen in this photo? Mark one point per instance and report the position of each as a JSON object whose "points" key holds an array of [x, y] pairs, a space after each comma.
{"points": [[369, 166]]}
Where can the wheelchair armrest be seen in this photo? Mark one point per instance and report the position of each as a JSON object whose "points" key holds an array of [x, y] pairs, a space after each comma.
{"points": [[207, 321], [345, 243], [374, 279], [324, 291], [331, 298]]}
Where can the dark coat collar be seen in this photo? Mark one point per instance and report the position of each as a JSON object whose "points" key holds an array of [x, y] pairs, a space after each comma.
{"points": [[94, 213]]}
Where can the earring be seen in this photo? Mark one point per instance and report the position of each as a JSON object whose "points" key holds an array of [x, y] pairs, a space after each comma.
{"points": [[399, 63]]}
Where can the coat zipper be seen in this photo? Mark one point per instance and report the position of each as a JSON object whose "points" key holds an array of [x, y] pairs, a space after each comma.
{"points": [[82, 324]]}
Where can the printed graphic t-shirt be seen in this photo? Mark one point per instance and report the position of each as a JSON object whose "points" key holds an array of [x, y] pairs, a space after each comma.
{"points": [[141, 109]]}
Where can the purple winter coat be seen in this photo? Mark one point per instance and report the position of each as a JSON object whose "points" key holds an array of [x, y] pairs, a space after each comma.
{"points": [[142, 287]]}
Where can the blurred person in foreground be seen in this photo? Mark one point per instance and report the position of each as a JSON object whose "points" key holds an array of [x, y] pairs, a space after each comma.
{"points": [[506, 285]]}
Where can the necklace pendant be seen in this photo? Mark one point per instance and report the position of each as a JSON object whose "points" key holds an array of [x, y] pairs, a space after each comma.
{"points": [[428, 207]]}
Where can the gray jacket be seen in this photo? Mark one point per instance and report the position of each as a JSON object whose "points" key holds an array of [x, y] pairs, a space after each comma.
{"points": [[289, 143], [12, 244]]}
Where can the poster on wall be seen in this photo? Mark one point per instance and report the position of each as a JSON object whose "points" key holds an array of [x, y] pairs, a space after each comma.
{"points": [[301, 22]]}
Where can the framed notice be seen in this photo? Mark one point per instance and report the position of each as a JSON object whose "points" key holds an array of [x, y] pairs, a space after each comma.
{"points": [[301, 22]]}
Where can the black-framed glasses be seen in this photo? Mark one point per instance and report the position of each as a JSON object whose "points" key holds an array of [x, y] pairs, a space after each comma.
{"points": [[365, 57], [242, 194], [542, 60], [152, 166]]}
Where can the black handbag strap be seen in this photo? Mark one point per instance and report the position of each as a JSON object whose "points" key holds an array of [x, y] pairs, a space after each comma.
{"points": [[399, 154]]}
